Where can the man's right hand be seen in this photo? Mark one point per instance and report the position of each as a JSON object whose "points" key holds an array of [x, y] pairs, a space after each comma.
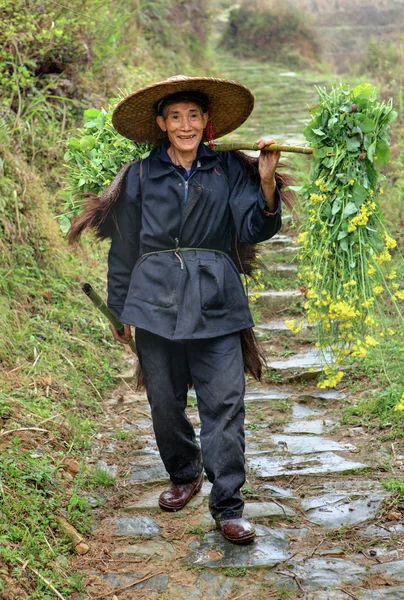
{"points": [[123, 337]]}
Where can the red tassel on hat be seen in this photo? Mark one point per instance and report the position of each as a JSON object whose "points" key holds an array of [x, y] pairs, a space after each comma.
{"points": [[210, 133]]}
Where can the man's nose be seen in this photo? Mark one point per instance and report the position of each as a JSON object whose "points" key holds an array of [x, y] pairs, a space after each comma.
{"points": [[186, 124]]}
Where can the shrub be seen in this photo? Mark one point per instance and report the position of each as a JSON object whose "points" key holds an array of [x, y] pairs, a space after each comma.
{"points": [[268, 31]]}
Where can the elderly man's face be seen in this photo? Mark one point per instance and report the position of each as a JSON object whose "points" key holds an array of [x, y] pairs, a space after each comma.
{"points": [[184, 123]]}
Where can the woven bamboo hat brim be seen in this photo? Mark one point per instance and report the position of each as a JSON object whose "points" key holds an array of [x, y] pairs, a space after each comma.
{"points": [[230, 103]]}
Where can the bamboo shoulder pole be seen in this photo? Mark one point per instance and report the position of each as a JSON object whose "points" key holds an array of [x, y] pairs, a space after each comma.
{"points": [[221, 147]]}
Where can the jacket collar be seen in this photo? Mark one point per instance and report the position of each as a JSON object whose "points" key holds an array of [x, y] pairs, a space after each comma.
{"points": [[159, 163]]}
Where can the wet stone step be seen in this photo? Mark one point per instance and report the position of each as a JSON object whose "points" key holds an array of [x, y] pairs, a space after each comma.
{"points": [[270, 547], [285, 271], [343, 508], [153, 472], [314, 427], [157, 549], [328, 573], [279, 240], [157, 583], [265, 395], [311, 359], [256, 511], [386, 593], [133, 526], [270, 466], [308, 444], [279, 326], [274, 491], [274, 301], [374, 531], [326, 395]]}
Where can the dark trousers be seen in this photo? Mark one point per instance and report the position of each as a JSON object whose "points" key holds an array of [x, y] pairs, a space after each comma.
{"points": [[217, 371]]}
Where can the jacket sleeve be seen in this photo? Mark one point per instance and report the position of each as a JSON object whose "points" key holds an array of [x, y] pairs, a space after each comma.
{"points": [[125, 240], [248, 205]]}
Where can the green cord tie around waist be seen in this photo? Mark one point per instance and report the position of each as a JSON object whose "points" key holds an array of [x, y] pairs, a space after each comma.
{"points": [[177, 251]]}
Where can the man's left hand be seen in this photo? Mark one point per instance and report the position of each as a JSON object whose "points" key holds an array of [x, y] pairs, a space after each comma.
{"points": [[268, 161]]}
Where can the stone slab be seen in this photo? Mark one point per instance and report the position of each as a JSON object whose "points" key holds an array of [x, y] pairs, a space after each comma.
{"points": [[265, 395], [300, 411], [385, 593], [133, 526], [157, 583], [308, 444], [335, 510], [273, 300], [279, 240], [269, 466], [310, 359], [148, 472], [215, 585], [278, 326], [274, 491], [285, 270], [111, 470], [157, 549], [391, 570], [322, 395], [269, 548], [328, 573], [374, 531], [314, 427]]}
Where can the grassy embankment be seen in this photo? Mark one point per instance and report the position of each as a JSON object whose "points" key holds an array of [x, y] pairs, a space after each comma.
{"points": [[57, 358]]}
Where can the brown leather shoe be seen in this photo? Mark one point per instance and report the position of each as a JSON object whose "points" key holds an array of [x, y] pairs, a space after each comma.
{"points": [[176, 496], [237, 531]]}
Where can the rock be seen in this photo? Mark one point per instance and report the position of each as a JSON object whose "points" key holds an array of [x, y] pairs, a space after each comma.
{"points": [[276, 300], [278, 326], [328, 573], [383, 532], [158, 583], [215, 585], [282, 584], [71, 466], [286, 271], [133, 526], [310, 359], [263, 510], [393, 571], [386, 593], [315, 427], [335, 510], [301, 412], [267, 465], [95, 500], [265, 395], [111, 470], [183, 592], [322, 395], [150, 472], [158, 549], [275, 491], [307, 444], [279, 240], [269, 548]]}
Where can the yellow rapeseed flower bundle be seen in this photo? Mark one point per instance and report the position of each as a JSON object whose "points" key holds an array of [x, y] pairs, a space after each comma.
{"points": [[346, 251]]}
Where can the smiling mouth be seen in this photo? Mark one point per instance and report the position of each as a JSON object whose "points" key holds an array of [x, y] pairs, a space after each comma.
{"points": [[185, 138]]}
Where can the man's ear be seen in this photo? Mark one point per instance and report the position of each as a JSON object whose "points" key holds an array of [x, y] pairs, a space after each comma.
{"points": [[161, 123], [205, 119]]}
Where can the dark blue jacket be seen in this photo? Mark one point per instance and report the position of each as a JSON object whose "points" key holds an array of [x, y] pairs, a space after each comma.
{"points": [[188, 294]]}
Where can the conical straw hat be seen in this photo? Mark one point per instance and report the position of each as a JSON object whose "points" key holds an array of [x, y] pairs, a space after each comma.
{"points": [[230, 103]]}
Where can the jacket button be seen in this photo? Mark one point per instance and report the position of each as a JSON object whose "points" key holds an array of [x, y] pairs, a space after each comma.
{"points": [[180, 184]]}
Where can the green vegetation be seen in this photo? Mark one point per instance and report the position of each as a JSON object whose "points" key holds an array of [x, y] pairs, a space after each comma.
{"points": [[267, 30], [57, 359]]}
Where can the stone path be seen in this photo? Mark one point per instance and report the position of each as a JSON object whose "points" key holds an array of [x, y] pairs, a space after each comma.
{"points": [[326, 527]]}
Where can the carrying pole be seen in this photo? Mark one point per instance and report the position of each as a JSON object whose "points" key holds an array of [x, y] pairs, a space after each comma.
{"points": [[221, 147]]}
